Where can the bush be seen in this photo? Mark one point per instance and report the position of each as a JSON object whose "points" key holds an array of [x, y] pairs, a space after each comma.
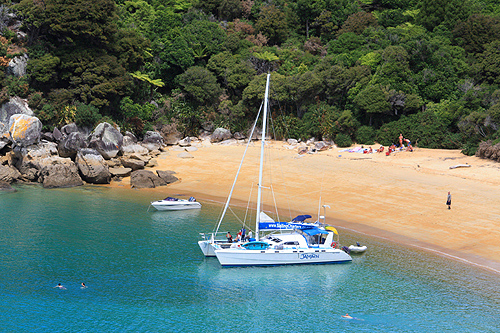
{"points": [[87, 115], [343, 140], [365, 135]]}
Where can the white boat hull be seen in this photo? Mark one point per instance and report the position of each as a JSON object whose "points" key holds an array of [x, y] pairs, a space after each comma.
{"points": [[175, 205], [270, 257], [207, 248]]}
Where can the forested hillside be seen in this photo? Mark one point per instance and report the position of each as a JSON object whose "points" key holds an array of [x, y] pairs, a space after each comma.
{"points": [[347, 70]]}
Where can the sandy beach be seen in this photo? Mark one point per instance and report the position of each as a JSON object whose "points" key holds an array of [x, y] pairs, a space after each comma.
{"points": [[400, 197]]}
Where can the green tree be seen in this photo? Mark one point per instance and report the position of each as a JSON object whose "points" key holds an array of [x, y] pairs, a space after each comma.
{"points": [[272, 24], [373, 100], [200, 85]]}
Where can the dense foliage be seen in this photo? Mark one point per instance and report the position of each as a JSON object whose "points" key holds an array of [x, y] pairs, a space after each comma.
{"points": [[347, 70]]}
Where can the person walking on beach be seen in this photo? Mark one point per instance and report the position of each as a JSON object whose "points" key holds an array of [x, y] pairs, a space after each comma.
{"points": [[448, 200]]}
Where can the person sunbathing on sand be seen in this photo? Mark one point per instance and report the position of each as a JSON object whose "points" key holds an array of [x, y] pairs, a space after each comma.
{"points": [[381, 149]]}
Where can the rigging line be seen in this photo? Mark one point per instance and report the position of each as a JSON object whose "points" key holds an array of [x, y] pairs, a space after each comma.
{"points": [[248, 203], [237, 173], [231, 210], [275, 205]]}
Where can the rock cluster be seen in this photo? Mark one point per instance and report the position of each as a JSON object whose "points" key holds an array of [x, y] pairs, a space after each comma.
{"points": [[488, 150]]}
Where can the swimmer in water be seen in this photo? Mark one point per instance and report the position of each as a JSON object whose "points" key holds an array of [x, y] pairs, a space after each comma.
{"points": [[347, 316], [60, 286], [83, 286]]}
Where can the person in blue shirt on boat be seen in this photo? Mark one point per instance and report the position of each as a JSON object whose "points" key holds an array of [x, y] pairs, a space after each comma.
{"points": [[243, 232]]}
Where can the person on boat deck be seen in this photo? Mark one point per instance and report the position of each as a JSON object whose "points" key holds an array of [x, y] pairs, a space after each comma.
{"points": [[238, 237], [229, 237], [250, 234], [243, 232]]}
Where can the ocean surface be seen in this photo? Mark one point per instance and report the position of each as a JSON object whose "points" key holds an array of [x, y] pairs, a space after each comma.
{"points": [[145, 273]]}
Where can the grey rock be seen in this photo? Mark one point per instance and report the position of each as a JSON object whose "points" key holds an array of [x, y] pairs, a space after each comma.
{"points": [[15, 105], [321, 145], [48, 136], [69, 128], [185, 155], [220, 134], [24, 130], [133, 163], [134, 149], [9, 174], [186, 142], [239, 136], [120, 172], [17, 66], [56, 133], [167, 176], [292, 142], [70, 145], [229, 142], [59, 172], [130, 136], [145, 179], [190, 149], [5, 187], [152, 163], [107, 140], [92, 166]]}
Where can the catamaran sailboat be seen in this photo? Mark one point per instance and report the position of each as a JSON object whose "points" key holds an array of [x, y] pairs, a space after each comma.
{"points": [[296, 243]]}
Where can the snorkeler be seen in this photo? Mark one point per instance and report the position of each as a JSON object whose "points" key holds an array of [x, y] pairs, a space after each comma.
{"points": [[60, 286], [83, 286]]}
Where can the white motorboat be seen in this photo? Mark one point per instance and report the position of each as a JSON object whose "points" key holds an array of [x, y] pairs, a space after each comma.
{"points": [[171, 203], [358, 248], [292, 242]]}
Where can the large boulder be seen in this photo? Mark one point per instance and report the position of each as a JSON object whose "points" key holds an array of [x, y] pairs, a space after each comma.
{"points": [[134, 149], [24, 130], [220, 134], [15, 105], [92, 166], [17, 66], [152, 140], [107, 140], [69, 128], [170, 134], [133, 163], [4, 135], [59, 172], [145, 179], [120, 172], [71, 144], [28, 160], [5, 187], [9, 174], [167, 176]]}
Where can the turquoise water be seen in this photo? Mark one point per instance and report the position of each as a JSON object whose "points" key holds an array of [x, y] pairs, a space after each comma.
{"points": [[145, 273]]}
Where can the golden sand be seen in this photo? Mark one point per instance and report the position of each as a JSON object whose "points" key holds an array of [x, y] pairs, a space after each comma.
{"points": [[400, 197]]}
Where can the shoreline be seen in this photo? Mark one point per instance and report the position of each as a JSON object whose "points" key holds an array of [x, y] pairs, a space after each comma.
{"points": [[399, 197]]}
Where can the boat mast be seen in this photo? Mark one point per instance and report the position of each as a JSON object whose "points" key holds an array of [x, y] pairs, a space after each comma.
{"points": [[261, 167]]}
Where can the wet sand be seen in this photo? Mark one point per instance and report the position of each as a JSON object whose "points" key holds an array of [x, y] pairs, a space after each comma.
{"points": [[400, 197]]}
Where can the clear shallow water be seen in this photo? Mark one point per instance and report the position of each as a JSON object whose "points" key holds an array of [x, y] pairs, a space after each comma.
{"points": [[145, 273]]}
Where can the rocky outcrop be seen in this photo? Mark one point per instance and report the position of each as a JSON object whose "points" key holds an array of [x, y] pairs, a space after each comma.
{"points": [[488, 150], [120, 172], [17, 66], [24, 130], [145, 179], [167, 176], [134, 149], [9, 174], [70, 145], [170, 134], [152, 140], [92, 166], [220, 134], [28, 160], [133, 163], [5, 187], [69, 128], [107, 140], [4, 135], [15, 105], [59, 172]]}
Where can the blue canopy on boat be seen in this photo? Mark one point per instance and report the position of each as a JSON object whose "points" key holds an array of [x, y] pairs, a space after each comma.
{"points": [[314, 231], [301, 218]]}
